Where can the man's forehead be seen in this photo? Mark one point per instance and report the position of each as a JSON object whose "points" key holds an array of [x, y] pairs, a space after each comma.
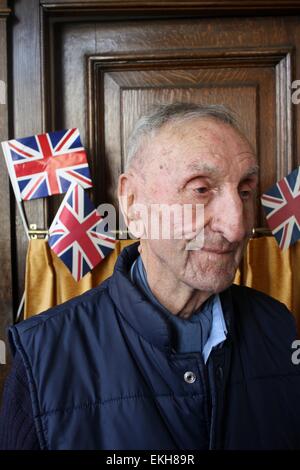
{"points": [[203, 135], [246, 163], [191, 160], [182, 151], [215, 163]]}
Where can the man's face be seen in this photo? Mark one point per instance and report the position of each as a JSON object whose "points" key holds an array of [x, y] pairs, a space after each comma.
{"points": [[209, 163]]}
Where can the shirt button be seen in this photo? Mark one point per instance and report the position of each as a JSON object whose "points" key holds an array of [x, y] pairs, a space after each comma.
{"points": [[189, 377]]}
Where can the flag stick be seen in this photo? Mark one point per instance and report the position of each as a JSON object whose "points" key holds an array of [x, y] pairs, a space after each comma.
{"points": [[23, 217], [20, 308]]}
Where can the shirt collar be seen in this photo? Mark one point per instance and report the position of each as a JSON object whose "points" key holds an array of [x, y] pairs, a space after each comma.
{"points": [[218, 331], [152, 324], [190, 335]]}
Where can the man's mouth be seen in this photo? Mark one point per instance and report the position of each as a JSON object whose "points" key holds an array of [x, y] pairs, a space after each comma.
{"points": [[217, 251]]}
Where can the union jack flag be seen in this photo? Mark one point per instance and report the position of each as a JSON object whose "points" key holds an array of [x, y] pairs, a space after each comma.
{"points": [[46, 164], [282, 206], [78, 234]]}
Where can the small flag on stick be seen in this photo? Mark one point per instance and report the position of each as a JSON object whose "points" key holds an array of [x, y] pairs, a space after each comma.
{"points": [[78, 234], [46, 164], [282, 207]]}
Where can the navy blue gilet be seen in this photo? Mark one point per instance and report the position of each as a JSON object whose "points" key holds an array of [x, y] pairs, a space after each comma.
{"points": [[192, 333], [103, 374]]}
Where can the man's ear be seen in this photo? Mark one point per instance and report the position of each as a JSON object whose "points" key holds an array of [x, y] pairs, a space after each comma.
{"points": [[134, 214], [126, 196]]}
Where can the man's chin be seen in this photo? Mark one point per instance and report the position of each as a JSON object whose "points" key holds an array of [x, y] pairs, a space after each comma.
{"points": [[215, 283], [223, 284]]}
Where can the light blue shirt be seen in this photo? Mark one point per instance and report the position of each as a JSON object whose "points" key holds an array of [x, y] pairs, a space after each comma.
{"points": [[218, 330], [187, 330]]}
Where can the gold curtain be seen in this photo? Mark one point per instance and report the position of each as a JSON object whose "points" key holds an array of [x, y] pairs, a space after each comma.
{"points": [[265, 267], [48, 282]]}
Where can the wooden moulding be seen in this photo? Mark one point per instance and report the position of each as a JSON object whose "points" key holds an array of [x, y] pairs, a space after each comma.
{"points": [[172, 8]]}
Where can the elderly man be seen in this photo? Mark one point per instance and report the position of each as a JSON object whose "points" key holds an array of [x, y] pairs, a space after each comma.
{"points": [[167, 353]]}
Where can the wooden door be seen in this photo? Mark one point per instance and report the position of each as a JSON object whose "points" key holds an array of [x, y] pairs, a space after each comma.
{"points": [[97, 65]]}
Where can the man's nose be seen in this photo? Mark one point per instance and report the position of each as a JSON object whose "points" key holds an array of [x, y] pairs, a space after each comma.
{"points": [[229, 217]]}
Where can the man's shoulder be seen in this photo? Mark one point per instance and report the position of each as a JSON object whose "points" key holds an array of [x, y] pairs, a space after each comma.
{"points": [[248, 294], [74, 310], [262, 308]]}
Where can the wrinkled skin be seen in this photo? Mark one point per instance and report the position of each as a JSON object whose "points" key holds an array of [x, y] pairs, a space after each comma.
{"points": [[201, 161]]}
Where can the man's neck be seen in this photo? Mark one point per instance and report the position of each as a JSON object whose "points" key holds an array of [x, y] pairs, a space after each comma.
{"points": [[176, 296]]}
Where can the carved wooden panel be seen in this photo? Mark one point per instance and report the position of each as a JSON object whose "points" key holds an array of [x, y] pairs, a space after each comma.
{"points": [[173, 7], [100, 77], [247, 82], [6, 284], [70, 60], [97, 64]]}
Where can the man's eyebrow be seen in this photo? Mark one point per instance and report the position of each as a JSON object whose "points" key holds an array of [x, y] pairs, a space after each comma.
{"points": [[215, 171], [253, 171], [204, 168]]}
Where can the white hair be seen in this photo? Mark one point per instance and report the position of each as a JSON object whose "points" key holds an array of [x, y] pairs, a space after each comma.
{"points": [[147, 126]]}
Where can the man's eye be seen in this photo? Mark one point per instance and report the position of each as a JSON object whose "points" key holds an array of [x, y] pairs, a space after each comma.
{"points": [[202, 190], [245, 194]]}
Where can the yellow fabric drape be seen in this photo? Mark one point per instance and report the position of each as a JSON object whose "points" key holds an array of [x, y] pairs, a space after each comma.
{"points": [[48, 282], [275, 272], [265, 267]]}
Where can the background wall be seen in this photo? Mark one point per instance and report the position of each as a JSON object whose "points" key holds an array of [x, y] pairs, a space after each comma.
{"points": [[97, 65]]}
